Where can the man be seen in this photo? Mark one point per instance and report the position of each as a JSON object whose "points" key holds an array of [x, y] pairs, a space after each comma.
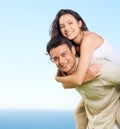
{"points": [[100, 96]]}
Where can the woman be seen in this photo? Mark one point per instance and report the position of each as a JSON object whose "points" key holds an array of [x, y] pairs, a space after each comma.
{"points": [[70, 25]]}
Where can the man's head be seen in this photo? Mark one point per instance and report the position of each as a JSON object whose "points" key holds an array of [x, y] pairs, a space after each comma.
{"points": [[62, 53]]}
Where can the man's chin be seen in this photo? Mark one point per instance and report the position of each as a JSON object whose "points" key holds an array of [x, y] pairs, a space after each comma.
{"points": [[64, 70]]}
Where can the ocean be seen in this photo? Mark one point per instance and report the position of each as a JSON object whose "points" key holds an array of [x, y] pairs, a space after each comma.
{"points": [[36, 119]]}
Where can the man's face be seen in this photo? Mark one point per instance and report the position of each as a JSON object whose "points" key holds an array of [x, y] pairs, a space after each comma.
{"points": [[64, 58]]}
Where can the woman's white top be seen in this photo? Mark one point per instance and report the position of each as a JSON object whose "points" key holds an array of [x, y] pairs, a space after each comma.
{"points": [[108, 52]]}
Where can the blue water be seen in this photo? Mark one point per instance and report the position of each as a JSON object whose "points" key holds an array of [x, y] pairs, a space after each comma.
{"points": [[36, 119]]}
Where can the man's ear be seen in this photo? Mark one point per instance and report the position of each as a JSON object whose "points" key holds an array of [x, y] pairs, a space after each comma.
{"points": [[73, 50]]}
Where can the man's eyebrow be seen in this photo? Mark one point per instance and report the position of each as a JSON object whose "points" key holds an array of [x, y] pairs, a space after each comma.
{"points": [[63, 52], [60, 54]]}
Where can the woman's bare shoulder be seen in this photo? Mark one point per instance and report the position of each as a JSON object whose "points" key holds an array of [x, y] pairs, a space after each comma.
{"points": [[93, 39], [92, 35]]}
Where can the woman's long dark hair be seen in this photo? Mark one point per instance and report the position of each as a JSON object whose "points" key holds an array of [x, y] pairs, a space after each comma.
{"points": [[55, 29]]}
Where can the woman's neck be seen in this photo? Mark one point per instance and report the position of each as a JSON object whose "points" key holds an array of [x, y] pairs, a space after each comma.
{"points": [[79, 38]]}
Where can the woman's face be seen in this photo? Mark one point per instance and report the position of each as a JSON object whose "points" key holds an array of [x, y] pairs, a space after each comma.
{"points": [[69, 26]]}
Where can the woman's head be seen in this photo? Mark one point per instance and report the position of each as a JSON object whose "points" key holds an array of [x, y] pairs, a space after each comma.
{"points": [[59, 24]]}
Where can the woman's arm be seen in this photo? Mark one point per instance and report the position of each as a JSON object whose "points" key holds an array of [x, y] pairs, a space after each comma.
{"points": [[92, 72], [88, 45]]}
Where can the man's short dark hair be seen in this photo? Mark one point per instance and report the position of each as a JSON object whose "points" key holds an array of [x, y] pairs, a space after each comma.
{"points": [[57, 41]]}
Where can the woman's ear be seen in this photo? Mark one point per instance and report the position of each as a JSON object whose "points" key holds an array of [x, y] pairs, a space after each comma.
{"points": [[73, 50], [80, 23]]}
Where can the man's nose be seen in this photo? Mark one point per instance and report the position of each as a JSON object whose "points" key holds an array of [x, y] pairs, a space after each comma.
{"points": [[61, 60]]}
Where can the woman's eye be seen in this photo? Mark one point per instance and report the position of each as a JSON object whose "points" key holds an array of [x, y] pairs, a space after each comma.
{"points": [[61, 27]]}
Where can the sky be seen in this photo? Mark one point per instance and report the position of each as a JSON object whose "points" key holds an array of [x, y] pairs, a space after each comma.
{"points": [[27, 77]]}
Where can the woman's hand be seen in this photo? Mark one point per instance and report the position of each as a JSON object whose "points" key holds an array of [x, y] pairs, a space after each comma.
{"points": [[92, 72]]}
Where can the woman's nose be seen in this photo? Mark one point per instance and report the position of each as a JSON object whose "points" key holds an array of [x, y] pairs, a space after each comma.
{"points": [[66, 27]]}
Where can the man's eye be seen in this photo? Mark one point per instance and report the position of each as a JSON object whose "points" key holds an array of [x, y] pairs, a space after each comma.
{"points": [[55, 59], [64, 54]]}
